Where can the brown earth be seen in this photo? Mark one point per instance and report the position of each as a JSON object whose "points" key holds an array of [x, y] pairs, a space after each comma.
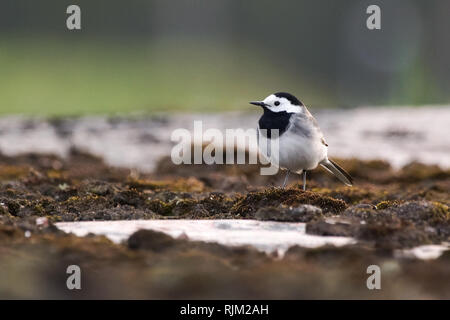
{"points": [[386, 210]]}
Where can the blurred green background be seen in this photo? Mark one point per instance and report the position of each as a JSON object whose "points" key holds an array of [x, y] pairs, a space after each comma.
{"points": [[196, 55]]}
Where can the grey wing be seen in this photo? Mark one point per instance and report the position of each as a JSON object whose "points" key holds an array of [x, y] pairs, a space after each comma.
{"points": [[302, 125], [305, 125]]}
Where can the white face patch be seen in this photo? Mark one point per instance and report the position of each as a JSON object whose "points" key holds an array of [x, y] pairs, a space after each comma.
{"points": [[276, 104]]}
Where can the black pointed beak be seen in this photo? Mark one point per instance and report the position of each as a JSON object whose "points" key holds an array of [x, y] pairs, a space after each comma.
{"points": [[258, 103]]}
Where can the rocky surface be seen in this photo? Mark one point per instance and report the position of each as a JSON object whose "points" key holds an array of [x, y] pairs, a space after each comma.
{"points": [[387, 210]]}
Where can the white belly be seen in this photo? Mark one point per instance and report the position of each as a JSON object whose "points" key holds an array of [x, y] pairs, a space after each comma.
{"points": [[296, 153]]}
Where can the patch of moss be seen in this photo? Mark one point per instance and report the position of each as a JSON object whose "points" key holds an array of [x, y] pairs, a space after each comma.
{"points": [[160, 207], [441, 212], [8, 172], [56, 174], [182, 207], [418, 172], [190, 184], [141, 184], [217, 203], [387, 204], [39, 209], [353, 195], [247, 205], [78, 204], [204, 208]]}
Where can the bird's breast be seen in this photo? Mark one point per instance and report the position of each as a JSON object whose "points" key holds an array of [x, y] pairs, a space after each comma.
{"points": [[293, 151]]}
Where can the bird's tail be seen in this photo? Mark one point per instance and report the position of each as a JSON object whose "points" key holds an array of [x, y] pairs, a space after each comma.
{"points": [[335, 169]]}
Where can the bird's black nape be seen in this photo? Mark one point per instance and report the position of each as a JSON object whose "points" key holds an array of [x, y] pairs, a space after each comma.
{"points": [[292, 99]]}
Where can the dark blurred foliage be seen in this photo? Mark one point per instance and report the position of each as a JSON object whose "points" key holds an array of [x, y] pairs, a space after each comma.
{"points": [[406, 62]]}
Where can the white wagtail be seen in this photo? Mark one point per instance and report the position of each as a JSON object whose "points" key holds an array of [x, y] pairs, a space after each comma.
{"points": [[301, 143]]}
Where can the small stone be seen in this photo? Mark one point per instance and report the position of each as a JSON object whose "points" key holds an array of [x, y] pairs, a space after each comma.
{"points": [[327, 229], [183, 236], [151, 240], [300, 213], [42, 221]]}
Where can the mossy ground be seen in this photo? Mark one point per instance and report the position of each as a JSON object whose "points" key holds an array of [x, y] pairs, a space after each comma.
{"points": [[386, 210]]}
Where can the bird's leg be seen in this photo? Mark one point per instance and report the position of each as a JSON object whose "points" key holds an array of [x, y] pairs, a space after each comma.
{"points": [[304, 180], [286, 178]]}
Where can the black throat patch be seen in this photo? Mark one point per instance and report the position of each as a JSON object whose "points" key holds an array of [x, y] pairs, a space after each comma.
{"points": [[274, 120]]}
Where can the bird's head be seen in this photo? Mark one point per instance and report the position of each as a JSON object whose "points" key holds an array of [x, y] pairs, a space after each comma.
{"points": [[279, 102]]}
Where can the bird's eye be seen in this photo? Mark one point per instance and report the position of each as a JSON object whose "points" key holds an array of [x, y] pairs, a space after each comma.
{"points": [[277, 103]]}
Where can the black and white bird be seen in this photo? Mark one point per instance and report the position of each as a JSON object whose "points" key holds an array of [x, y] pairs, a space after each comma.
{"points": [[301, 145]]}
